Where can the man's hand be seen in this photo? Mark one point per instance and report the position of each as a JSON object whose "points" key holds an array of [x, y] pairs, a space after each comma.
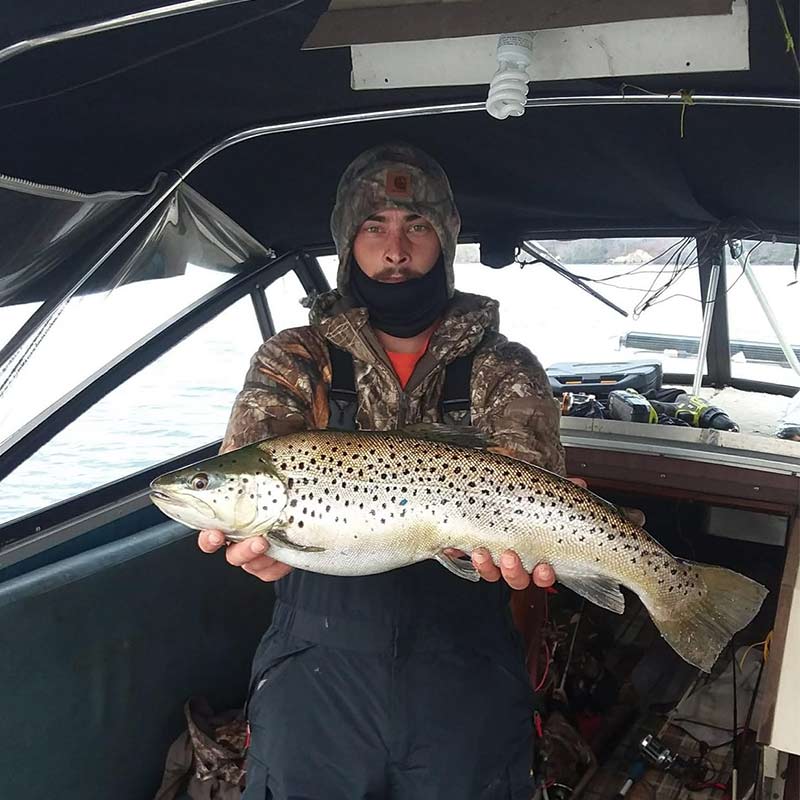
{"points": [[249, 555], [510, 567]]}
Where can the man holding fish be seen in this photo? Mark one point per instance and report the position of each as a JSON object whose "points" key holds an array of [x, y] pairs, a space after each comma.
{"points": [[379, 682]]}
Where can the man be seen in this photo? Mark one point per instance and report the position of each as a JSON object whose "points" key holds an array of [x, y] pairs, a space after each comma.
{"points": [[408, 685]]}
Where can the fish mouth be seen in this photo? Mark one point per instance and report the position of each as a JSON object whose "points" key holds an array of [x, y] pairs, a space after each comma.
{"points": [[158, 495], [186, 510]]}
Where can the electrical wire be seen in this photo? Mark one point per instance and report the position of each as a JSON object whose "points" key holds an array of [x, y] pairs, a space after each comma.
{"points": [[571, 646], [683, 256], [702, 742], [638, 267], [657, 302], [546, 668], [747, 651]]}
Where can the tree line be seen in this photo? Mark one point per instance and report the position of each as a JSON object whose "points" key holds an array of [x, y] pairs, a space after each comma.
{"points": [[603, 251]]}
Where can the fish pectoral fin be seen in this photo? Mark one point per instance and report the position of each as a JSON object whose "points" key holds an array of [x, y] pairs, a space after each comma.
{"points": [[280, 537], [464, 569], [602, 591]]}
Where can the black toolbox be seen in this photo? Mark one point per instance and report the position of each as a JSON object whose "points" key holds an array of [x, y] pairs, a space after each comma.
{"points": [[603, 378]]}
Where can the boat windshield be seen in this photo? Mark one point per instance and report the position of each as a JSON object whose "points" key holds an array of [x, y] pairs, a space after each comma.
{"points": [[656, 282]]}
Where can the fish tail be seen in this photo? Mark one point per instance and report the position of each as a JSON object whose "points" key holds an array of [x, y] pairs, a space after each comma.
{"points": [[700, 625]]}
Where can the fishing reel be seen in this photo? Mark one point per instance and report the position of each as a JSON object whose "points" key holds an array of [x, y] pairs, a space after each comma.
{"points": [[659, 754], [694, 772]]}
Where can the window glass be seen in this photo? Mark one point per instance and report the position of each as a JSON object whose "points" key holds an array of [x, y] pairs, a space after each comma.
{"points": [[560, 322], [84, 335], [329, 266], [284, 297], [179, 402], [655, 280], [12, 318], [755, 350]]}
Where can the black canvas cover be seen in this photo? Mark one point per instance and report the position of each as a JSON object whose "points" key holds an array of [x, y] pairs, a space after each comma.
{"points": [[111, 111]]}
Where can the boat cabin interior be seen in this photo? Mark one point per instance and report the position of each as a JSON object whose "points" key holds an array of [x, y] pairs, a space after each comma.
{"points": [[167, 174]]}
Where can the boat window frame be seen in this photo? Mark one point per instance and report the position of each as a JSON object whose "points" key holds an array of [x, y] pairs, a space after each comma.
{"points": [[252, 279]]}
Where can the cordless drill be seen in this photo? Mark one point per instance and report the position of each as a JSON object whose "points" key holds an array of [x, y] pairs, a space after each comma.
{"points": [[696, 411], [630, 406]]}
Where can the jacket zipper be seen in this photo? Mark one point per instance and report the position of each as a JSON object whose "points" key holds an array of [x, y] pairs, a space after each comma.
{"points": [[60, 192], [402, 408]]}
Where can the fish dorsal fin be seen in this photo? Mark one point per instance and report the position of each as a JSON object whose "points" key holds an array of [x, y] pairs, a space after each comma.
{"points": [[602, 591], [465, 436]]}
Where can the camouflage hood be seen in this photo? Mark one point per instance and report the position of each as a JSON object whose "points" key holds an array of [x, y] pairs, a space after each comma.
{"points": [[394, 176]]}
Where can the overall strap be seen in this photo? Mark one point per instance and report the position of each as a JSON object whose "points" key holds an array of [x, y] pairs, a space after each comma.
{"points": [[456, 391], [342, 397]]}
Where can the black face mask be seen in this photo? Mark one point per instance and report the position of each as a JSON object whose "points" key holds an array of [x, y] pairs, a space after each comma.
{"points": [[401, 309]]}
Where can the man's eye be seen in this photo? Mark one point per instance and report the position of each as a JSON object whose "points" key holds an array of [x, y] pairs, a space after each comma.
{"points": [[420, 227], [372, 229]]}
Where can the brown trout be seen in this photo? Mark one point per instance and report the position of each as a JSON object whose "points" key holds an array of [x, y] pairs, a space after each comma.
{"points": [[360, 503]]}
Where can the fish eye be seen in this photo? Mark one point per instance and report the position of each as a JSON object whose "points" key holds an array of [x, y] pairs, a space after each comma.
{"points": [[199, 481]]}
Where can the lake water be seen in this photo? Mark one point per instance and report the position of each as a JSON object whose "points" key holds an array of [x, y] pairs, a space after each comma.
{"points": [[183, 400]]}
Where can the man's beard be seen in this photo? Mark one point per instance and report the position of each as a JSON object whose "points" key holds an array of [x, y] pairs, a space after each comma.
{"points": [[403, 309]]}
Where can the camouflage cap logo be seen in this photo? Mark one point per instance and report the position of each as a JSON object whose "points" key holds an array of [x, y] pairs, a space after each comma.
{"points": [[398, 183]]}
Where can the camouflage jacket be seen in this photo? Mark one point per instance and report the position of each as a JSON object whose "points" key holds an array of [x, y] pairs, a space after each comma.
{"points": [[286, 387]]}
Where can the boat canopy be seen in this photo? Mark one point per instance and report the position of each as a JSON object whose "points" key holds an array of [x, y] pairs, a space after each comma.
{"points": [[160, 103]]}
